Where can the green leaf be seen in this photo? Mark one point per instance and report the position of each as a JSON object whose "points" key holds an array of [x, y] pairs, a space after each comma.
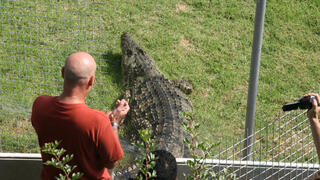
{"points": [[73, 167], [197, 126], [67, 168], [48, 163], [154, 174], [61, 177], [184, 124], [77, 175], [186, 141]]}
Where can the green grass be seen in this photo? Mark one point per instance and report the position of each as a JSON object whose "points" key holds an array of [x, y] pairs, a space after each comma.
{"points": [[207, 43]]}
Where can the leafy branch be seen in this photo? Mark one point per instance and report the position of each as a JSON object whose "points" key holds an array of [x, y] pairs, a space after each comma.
{"points": [[200, 151], [60, 162], [146, 160]]}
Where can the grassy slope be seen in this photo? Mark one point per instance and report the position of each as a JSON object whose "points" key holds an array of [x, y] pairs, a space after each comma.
{"points": [[205, 42]]}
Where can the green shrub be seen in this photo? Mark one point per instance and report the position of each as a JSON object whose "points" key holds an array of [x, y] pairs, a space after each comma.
{"points": [[146, 159], [200, 151], [60, 162]]}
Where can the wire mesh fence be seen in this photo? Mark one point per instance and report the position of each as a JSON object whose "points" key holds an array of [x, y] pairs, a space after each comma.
{"points": [[36, 36], [282, 149]]}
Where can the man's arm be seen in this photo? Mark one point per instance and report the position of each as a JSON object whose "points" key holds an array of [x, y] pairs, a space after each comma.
{"points": [[115, 129], [313, 115], [116, 116], [113, 165]]}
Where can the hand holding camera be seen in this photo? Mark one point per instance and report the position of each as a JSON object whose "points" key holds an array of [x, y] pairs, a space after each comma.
{"points": [[314, 111], [309, 101], [306, 102]]}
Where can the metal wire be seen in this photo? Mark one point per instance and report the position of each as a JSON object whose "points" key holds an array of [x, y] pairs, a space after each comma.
{"points": [[288, 155], [36, 37]]}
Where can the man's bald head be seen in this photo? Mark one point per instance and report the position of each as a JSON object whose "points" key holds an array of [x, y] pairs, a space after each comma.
{"points": [[79, 67]]}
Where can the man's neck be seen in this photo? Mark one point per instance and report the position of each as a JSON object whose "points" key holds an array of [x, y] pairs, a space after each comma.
{"points": [[71, 99], [72, 96]]}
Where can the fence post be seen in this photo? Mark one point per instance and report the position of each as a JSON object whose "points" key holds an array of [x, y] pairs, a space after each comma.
{"points": [[254, 76]]}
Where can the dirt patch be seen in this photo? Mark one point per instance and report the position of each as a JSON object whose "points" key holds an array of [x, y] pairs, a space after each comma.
{"points": [[186, 43], [181, 7]]}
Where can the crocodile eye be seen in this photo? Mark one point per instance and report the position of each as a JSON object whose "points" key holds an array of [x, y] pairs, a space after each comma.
{"points": [[129, 53]]}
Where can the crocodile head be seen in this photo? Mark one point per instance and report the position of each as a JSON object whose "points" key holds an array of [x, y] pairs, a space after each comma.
{"points": [[135, 61]]}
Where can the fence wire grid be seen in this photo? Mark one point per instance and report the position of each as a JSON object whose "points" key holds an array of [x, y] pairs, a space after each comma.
{"points": [[36, 36], [283, 149]]}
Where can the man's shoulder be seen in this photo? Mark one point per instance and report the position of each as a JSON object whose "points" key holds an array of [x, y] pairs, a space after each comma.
{"points": [[43, 98], [93, 118]]}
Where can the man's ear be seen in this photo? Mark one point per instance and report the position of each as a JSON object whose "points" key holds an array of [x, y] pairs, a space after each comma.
{"points": [[91, 81], [62, 72]]}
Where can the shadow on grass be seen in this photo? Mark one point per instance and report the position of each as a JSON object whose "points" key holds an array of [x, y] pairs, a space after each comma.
{"points": [[113, 68]]}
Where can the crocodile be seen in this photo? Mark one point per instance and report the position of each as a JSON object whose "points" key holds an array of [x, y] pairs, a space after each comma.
{"points": [[155, 102]]}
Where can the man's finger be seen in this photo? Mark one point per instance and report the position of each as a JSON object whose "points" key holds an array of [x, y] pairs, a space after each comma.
{"points": [[314, 103], [318, 98]]}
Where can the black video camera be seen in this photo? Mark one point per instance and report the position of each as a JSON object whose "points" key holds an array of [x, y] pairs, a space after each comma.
{"points": [[303, 103]]}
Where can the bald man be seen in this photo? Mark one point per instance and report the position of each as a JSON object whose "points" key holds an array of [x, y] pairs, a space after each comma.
{"points": [[90, 135]]}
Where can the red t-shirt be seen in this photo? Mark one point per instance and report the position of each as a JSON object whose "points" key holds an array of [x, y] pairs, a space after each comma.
{"points": [[86, 133]]}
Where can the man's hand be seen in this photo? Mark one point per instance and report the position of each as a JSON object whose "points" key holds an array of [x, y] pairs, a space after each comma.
{"points": [[313, 113], [118, 114], [314, 121]]}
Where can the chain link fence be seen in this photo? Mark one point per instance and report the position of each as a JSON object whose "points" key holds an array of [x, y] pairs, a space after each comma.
{"points": [[37, 36], [282, 149], [35, 39]]}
